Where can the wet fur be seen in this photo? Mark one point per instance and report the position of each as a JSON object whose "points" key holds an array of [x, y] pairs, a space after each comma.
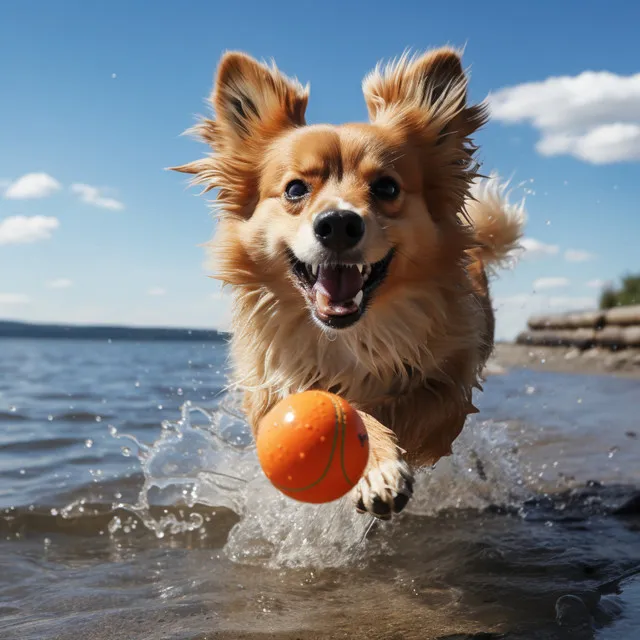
{"points": [[411, 362]]}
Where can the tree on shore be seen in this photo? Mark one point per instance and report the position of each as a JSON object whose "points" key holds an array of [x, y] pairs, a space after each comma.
{"points": [[627, 294]]}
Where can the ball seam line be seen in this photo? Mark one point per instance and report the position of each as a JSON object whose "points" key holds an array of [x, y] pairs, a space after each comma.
{"points": [[343, 423]]}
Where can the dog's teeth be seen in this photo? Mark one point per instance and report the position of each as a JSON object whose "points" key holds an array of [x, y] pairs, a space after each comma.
{"points": [[358, 298], [360, 267], [314, 270]]}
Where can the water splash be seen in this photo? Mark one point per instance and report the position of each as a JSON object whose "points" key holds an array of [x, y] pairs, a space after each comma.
{"points": [[192, 462], [208, 458]]}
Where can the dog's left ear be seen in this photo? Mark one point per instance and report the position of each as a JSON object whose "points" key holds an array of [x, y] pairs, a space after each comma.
{"points": [[253, 104], [430, 89]]}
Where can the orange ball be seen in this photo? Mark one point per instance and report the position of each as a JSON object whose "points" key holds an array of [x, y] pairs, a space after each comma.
{"points": [[313, 446]]}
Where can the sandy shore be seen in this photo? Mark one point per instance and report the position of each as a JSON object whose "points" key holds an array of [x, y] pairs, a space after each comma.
{"points": [[565, 359]]}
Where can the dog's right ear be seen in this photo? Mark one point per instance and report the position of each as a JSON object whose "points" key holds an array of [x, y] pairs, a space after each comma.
{"points": [[253, 103], [252, 99]]}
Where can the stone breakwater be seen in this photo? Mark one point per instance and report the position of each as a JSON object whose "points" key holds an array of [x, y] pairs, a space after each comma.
{"points": [[614, 329], [601, 342]]}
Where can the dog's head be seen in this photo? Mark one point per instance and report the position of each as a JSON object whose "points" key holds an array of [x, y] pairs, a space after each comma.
{"points": [[340, 218]]}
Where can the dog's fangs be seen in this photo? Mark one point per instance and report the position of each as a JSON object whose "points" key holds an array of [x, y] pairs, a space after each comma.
{"points": [[357, 255]]}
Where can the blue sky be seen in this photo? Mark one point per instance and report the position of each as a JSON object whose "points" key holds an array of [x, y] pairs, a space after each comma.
{"points": [[96, 96]]}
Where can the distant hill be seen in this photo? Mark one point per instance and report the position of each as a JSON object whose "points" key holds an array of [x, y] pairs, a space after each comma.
{"points": [[10, 329]]}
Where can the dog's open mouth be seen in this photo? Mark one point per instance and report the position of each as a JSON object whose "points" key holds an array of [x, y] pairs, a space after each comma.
{"points": [[339, 293]]}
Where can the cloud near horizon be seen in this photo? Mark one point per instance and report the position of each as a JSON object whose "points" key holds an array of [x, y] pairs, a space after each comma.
{"points": [[577, 255], [14, 299], [512, 312], [550, 283], [60, 283]]}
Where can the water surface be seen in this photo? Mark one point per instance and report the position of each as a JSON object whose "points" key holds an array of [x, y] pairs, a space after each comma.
{"points": [[132, 506]]}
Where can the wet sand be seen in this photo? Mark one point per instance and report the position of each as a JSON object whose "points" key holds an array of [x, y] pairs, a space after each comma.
{"points": [[507, 355]]}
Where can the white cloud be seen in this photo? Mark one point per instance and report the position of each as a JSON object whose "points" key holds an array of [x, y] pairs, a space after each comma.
{"points": [[156, 291], [550, 283], [32, 185], [577, 255], [27, 229], [594, 116], [14, 298], [92, 195], [569, 303], [535, 249], [59, 283], [599, 284], [512, 312]]}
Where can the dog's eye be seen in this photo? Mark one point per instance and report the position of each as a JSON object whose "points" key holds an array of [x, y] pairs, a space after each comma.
{"points": [[385, 188], [295, 190]]}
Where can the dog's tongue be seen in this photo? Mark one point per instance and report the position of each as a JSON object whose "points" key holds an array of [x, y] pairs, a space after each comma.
{"points": [[336, 288], [339, 284]]}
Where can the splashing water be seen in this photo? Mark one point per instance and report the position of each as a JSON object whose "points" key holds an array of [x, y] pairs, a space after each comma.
{"points": [[208, 458]]}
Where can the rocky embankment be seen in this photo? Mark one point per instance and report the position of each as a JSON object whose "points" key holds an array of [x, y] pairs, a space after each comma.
{"points": [[586, 342]]}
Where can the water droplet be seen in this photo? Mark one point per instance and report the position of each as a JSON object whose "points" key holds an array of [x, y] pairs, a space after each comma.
{"points": [[114, 525], [180, 392], [13, 409], [22, 472], [54, 512], [113, 431], [98, 419], [137, 383], [47, 542], [88, 443], [50, 418], [126, 452], [160, 407]]}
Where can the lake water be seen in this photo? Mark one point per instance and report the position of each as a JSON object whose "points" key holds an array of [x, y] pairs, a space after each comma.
{"points": [[132, 507]]}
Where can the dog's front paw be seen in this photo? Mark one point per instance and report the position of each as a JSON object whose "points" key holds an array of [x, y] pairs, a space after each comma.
{"points": [[384, 489]]}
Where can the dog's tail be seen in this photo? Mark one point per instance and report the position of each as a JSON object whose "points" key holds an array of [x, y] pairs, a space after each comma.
{"points": [[497, 223]]}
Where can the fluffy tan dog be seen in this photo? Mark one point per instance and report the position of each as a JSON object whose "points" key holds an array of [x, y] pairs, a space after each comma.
{"points": [[357, 255]]}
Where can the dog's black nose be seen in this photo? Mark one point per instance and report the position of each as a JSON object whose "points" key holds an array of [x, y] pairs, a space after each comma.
{"points": [[339, 230]]}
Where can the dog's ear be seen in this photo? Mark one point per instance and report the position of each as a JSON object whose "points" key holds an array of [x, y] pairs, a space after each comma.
{"points": [[431, 88], [424, 99], [251, 99], [253, 103]]}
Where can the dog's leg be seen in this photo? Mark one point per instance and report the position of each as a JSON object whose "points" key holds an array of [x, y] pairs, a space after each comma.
{"points": [[387, 484]]}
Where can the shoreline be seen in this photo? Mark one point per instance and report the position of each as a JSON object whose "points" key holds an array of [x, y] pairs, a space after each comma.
{"points": [[595, 361]]}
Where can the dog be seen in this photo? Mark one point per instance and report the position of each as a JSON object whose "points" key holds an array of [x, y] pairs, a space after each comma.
{"points": [[358, 256]]}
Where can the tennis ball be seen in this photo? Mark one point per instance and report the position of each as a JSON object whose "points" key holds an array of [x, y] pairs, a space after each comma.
{"points": [[313, 446]]}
